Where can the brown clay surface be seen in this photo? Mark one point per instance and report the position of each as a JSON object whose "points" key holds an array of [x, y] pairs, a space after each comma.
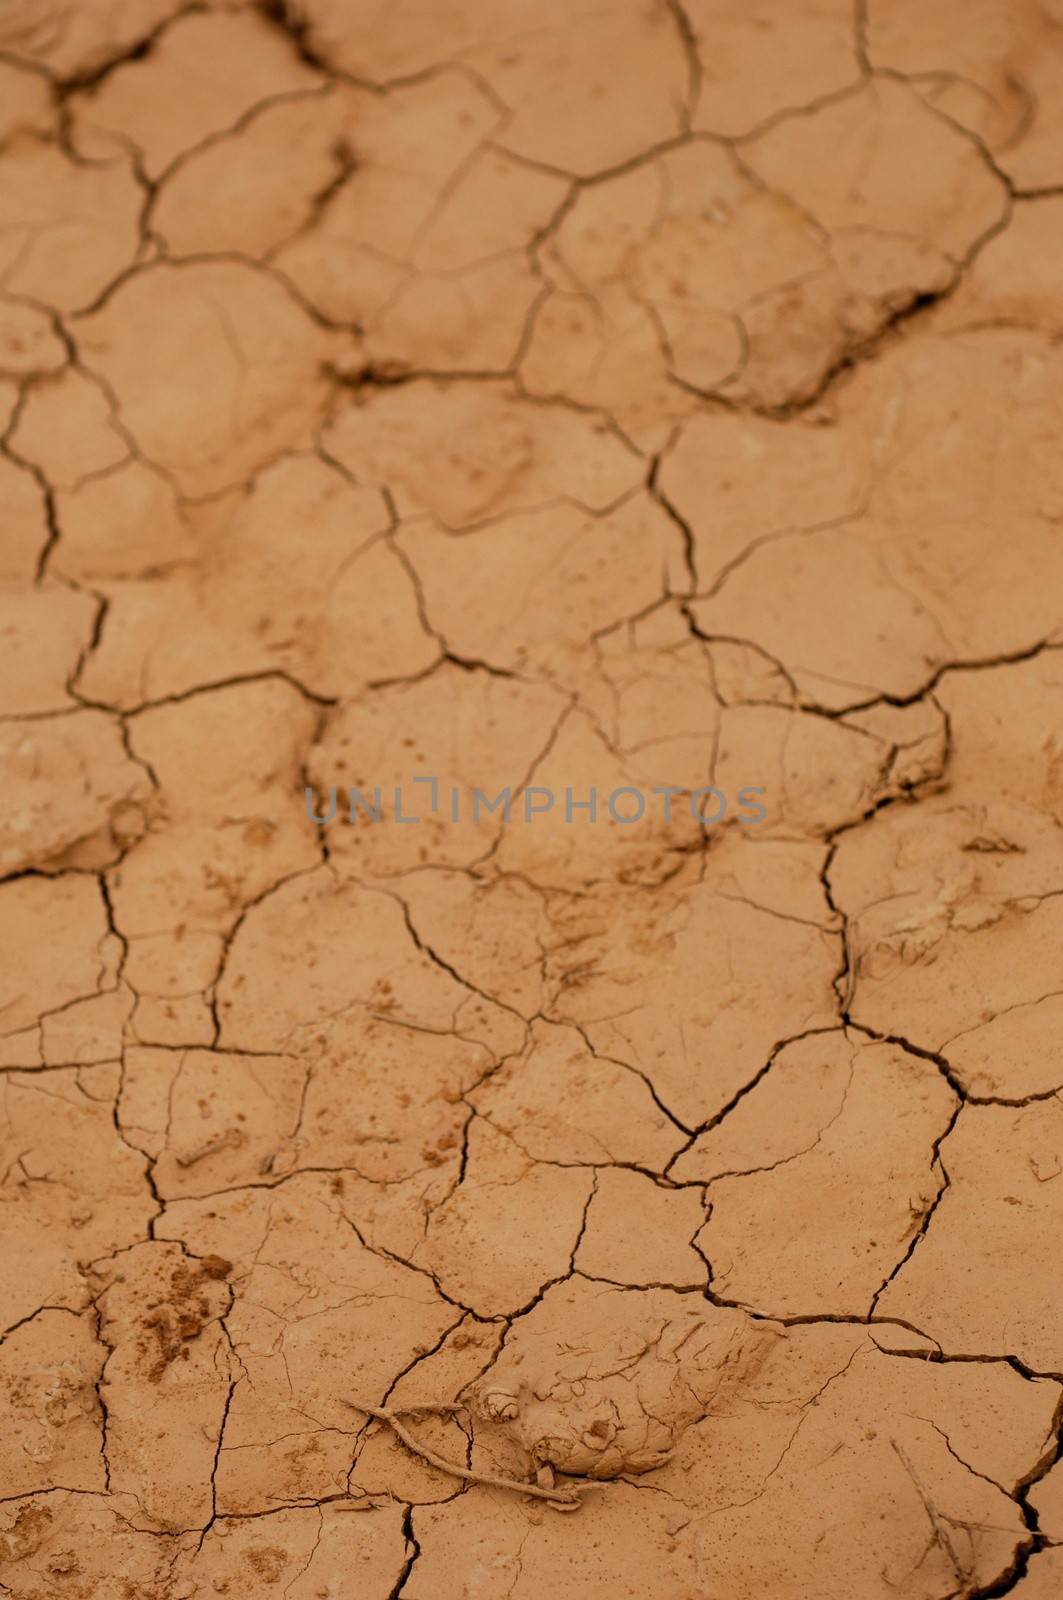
{"points": [[534, 397]]}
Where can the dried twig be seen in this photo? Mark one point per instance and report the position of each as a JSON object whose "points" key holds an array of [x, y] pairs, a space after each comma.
{"points": [[562, 1499]]}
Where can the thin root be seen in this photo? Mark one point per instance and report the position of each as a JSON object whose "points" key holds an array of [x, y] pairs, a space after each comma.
{"points": [[563, 1499]]}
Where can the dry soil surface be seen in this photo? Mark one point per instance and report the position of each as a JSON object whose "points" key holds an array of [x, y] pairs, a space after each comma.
{"points": [[468, 1195]]}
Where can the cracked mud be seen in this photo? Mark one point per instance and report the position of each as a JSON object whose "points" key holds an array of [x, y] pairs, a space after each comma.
{"points": [[659, 395]]}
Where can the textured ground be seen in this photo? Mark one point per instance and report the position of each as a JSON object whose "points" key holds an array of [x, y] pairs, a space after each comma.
{"points": [[531, 394]]}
